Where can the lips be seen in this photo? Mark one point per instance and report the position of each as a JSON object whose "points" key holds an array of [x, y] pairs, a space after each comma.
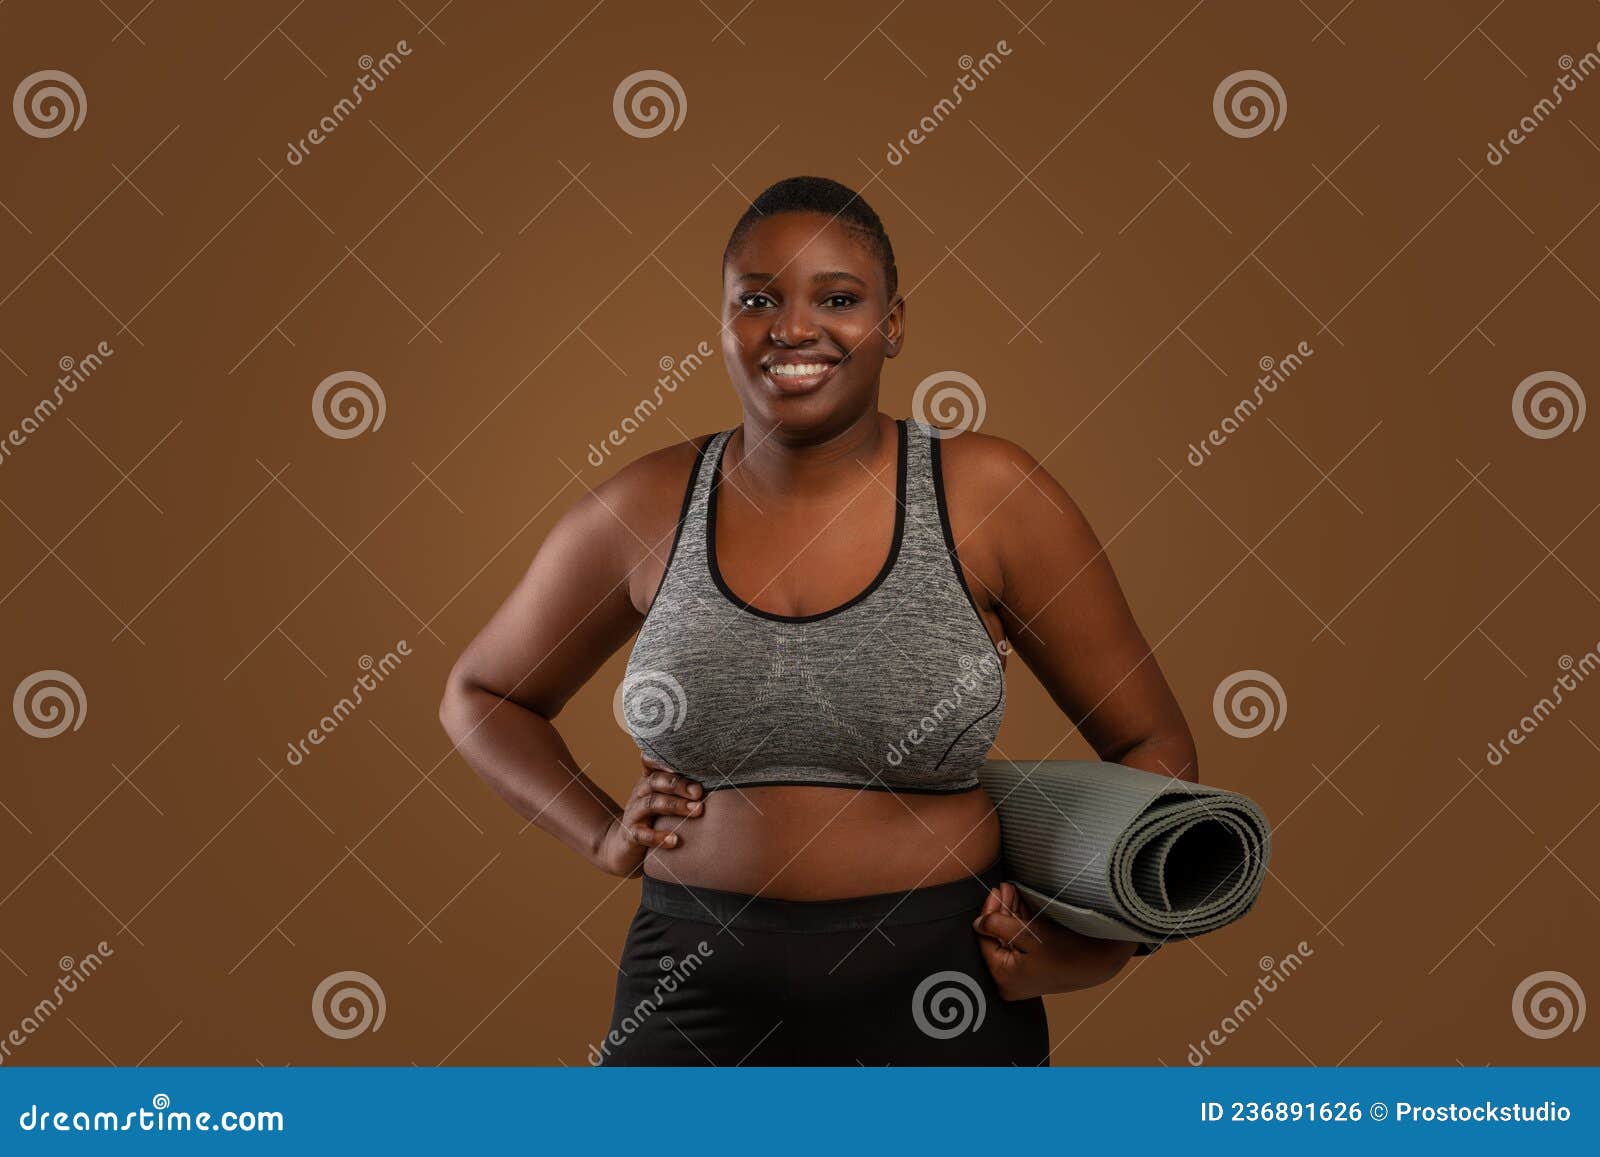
{"points": [[798, 377]]}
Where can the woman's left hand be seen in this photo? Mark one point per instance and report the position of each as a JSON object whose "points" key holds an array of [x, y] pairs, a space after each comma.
{"points": [[1031, 955]]}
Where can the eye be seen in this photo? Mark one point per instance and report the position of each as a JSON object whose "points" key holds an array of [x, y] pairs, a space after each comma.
{"points": [[748, 300], [847, 299]]}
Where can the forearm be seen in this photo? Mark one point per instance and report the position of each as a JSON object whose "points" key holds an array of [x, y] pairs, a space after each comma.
{"points": [[1092, 961], [523, 758]]}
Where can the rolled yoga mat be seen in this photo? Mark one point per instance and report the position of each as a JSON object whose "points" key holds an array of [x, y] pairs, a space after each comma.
{"points": [[1122, 854]]}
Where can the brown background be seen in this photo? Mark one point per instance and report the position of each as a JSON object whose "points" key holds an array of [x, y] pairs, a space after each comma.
{"points": [[1380, 537]]}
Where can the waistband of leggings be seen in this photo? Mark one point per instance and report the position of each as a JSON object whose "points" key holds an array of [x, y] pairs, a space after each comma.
{"points": [[764, 914]]}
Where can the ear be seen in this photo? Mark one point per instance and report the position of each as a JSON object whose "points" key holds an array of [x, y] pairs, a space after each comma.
{"points": [[893, 328]]}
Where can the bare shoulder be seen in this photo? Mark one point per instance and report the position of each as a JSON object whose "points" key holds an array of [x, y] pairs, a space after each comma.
{"points": [[986, 475], [984, 462], [641, 503], [1000, 498]]}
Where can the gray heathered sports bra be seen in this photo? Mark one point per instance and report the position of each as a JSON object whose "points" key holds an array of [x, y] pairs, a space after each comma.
{"points": [[898, 689]]}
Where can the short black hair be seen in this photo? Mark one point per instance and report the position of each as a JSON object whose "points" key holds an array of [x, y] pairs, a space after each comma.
{"points": [[831, 199]]}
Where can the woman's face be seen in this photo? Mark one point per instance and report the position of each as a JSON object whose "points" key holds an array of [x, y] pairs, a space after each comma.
{"points": [[808, 321]]}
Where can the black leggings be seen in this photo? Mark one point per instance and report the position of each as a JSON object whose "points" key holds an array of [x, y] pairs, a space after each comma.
{"points": [[720, 978]]}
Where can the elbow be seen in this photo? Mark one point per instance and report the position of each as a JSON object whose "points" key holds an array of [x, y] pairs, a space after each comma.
{"points": [[453, 704], [1108, 958]]}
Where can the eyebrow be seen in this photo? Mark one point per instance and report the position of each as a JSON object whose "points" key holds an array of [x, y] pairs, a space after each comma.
{"points": [[816, 278]]}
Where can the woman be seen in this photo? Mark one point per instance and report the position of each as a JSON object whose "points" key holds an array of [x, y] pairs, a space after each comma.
{"points": [[816, 679]]}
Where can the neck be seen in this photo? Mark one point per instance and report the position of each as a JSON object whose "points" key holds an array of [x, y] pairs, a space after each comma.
{"points": [[774, 459]]}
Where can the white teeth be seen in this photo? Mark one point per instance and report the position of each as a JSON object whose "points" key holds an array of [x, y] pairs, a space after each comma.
{"points": [[797, 371]]}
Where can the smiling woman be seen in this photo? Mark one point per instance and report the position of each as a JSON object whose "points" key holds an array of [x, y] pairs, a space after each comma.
{"points": [[801, 608]]}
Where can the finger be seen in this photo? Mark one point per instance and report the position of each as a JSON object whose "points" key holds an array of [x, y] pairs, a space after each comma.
{"points": [[642, 833], [660, 804], [991, 903], [1008, 930], [677, 784], [997, 957], [652, 765]]}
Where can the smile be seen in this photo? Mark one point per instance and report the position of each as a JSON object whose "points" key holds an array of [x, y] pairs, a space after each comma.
{"points": [[799, 376]]}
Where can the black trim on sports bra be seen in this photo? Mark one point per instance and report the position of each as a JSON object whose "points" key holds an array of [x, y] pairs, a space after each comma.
{"points": [[677, 533], [961, 580], [883, 573], [949, 535]]}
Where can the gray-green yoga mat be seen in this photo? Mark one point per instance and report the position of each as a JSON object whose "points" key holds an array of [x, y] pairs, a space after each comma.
{"points": [[1122, 854]]}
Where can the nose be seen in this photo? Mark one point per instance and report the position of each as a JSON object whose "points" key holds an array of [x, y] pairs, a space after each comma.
{"points": [[794, 325]]}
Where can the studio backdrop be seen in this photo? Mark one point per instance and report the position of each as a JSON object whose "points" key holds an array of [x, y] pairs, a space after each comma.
{"points": [[315, 318]]}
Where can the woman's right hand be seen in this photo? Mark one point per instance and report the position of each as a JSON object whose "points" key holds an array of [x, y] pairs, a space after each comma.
{"points": [[659, 792]]}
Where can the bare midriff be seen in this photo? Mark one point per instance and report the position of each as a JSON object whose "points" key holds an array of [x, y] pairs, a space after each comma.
{"points": [[828, 843]]}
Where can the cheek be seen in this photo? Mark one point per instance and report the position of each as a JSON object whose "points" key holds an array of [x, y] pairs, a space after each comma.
{"points": [[735, 343], [864, 337]]}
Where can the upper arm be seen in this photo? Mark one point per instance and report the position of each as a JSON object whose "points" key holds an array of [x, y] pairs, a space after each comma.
{"points": [[574, 606], [1064, 611]]}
